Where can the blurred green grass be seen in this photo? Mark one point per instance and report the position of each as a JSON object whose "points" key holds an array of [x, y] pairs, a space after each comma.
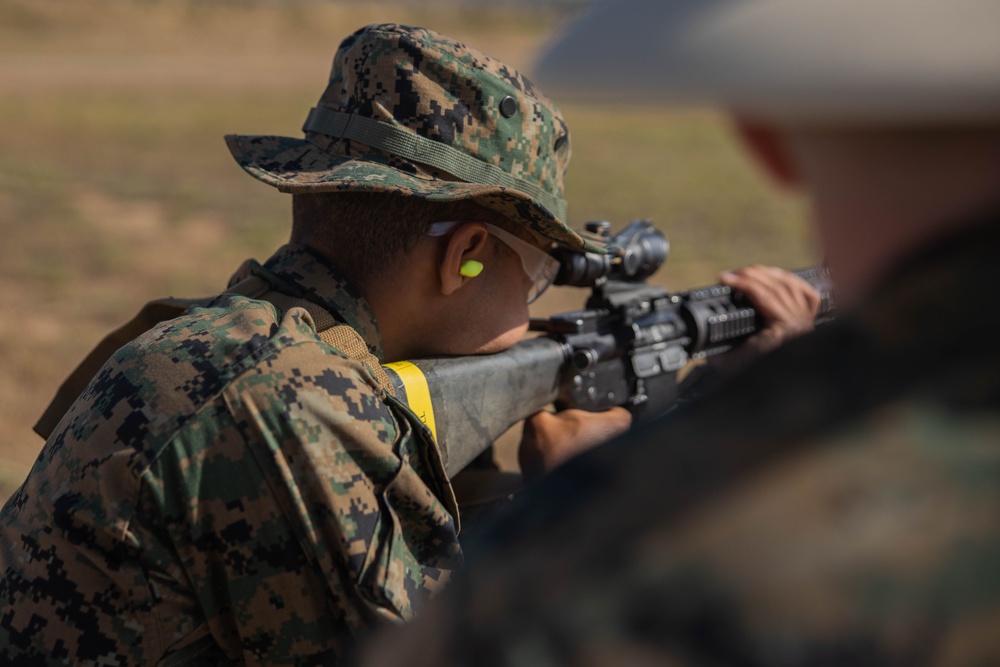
{"points": [[116, 185]]}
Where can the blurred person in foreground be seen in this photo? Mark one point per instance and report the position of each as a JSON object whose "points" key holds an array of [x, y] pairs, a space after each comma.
{"points": [[237, 483], [839, 502]]}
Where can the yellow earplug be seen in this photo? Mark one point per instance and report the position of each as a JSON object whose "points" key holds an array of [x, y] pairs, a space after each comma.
{"points": [[471, 268]]}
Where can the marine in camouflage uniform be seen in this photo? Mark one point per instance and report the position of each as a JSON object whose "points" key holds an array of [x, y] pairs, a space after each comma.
{"points": [[233, 485], [839, 502]]}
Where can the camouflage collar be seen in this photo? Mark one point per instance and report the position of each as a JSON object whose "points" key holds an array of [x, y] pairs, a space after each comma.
{"points": [[298, 271]]}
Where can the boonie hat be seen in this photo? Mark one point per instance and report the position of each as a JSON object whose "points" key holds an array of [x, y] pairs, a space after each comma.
{"points": [[815, 61], [412, 112]]}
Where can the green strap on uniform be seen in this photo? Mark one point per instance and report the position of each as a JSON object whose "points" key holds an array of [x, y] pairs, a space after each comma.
{"points": [[330, 331], [412, 146]]}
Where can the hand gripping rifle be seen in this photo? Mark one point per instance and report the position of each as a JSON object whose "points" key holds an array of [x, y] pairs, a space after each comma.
{"points": [[624, 348]]}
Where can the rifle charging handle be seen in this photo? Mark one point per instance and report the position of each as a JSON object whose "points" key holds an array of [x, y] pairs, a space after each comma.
{"points": [[584, 359]]}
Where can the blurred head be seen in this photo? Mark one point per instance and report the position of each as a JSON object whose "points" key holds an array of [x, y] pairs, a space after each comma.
{"points": [[886, 112]]}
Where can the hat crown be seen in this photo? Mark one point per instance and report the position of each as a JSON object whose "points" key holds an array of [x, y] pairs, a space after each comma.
{"points": [[409, 112], [434, 87]]}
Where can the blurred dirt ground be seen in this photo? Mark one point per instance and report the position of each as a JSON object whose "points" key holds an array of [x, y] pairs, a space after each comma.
{"points": [[116, 186]]}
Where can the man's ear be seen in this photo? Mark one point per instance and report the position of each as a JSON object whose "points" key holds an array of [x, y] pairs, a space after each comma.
{"points": [[768, 146], [469, 241]]}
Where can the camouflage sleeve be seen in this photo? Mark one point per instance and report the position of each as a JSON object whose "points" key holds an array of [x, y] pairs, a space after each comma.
{"points": [[297, 511]]}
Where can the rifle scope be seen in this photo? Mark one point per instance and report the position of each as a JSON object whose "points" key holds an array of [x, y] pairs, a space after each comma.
{"points": [[634, 254]]}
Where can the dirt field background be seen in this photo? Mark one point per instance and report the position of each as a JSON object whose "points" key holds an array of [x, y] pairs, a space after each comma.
{"points": [[116, 186]]}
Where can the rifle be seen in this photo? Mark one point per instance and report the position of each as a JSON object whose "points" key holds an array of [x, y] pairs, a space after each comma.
{"points": [[624, 348]]}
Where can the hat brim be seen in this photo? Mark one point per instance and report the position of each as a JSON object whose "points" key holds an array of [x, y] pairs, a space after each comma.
{"points": [[299, 166], [845, 62]]}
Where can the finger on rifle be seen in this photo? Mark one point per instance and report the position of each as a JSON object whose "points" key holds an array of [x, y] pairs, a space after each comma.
{"points": [[778, 295], [798, 289]]}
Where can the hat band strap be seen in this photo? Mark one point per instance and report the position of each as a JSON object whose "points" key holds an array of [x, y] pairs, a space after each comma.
{"points": [[411, 146]]}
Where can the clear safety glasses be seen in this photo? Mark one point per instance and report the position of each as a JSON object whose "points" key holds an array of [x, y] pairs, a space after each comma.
{"points": [[540, 266]]}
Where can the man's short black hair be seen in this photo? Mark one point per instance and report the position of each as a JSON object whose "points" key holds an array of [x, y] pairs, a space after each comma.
{"points": [[365, 233]]}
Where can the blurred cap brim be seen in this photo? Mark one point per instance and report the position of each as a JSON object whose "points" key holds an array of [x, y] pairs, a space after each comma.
{"points": [[855, 61]]}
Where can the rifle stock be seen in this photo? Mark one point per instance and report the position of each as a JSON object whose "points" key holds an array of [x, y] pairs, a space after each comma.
{"points": [[468, 402], [625, 348]]}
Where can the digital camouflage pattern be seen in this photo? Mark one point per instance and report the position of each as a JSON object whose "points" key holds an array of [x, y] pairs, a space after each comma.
{"points": [[427, 86], [228, 488], [848, 515]]}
